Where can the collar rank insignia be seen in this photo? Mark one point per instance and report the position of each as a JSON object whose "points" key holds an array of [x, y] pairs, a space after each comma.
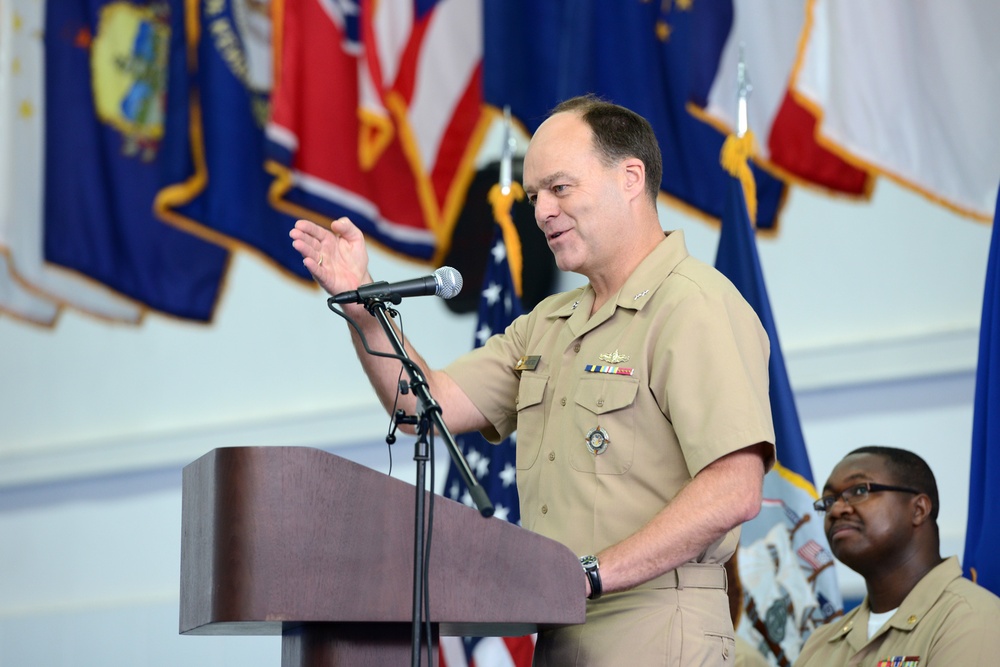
{"points": [[640, 295], [614, 357]]}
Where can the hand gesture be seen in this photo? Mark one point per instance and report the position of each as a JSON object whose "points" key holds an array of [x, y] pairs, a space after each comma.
{"points": [[336, 257]]}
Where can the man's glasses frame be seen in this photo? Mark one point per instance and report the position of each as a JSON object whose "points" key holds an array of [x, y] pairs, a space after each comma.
{"points": [[857, 494]]}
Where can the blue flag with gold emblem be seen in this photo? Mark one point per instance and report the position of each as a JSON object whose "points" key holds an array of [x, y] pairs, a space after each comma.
{"points": [[982, 537], [785, 565], [654, 58], [219, 97], [105, 90]]}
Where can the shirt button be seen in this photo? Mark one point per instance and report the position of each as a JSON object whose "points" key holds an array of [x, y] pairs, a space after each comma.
{"points": [[600, 402], [576, 348], [552, 456], [562, 401], [545, 509]]}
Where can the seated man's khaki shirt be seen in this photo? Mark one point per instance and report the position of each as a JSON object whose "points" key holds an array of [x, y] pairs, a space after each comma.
{"points": [[945, 620]]}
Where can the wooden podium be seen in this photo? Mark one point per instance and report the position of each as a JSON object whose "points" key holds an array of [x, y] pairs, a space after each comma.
{"points": [[302, 543]]}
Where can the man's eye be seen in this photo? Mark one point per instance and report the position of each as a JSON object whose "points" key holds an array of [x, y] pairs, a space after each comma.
{"points": [[559, 188], [859, 490]]}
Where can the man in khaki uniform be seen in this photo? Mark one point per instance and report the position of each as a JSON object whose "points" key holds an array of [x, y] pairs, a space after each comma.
{"points": [[640, 400], [881, 506]]}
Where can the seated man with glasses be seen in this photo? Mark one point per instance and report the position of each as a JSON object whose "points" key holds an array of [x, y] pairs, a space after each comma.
{"points": [[881, 506]]}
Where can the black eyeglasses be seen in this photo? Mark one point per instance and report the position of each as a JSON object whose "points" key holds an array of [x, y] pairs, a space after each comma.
{"points": [[857, 494]]}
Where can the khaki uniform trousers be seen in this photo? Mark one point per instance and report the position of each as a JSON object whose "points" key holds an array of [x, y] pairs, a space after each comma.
{"points": [[680, 619]]}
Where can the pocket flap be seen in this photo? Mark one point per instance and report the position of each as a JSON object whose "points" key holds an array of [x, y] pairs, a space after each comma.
{"points": [[606, 394], [531, 390]]}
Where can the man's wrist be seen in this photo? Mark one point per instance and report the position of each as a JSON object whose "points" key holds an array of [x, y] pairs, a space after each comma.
{"points": [[591, 567]]}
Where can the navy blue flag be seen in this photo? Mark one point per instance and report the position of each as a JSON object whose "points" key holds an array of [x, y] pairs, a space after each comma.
{"points": [[219, 96], [982, 537], [105, 91], [785, 564], [654, 58], [493, 465]]}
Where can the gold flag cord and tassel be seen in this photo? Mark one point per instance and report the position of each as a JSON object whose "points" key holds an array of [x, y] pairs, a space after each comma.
{"points": [[736, 152], [502, 204]]}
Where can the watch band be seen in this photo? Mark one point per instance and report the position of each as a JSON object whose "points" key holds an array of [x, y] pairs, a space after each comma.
{"points": [[591, 568]]}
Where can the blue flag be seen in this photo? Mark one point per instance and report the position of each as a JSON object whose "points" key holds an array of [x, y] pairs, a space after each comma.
{"points": [[982, 537], [785, 564], [219, 102], [493, 465], [105, 92], [654, 58]]}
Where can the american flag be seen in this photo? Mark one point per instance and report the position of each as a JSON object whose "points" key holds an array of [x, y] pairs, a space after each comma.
{"points": [[493, 466], [815, 554]]}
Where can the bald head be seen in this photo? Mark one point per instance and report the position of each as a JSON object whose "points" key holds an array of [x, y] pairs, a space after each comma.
{"points": [[619, 133]]}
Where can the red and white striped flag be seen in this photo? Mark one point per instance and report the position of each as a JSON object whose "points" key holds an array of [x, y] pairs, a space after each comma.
{"points": [[909, 90], [767, 34], [378, 115]]}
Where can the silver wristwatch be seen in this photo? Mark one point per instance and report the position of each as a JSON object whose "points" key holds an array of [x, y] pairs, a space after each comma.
{"points": [[592, 569]]}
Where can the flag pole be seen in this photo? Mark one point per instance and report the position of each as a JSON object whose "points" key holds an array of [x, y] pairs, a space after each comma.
{"points": [[507, 156], [743, 90], [737, 148]]}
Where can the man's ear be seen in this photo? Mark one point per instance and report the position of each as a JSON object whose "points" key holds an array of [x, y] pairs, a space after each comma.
{"points": [[921, 509], [634, 172]]}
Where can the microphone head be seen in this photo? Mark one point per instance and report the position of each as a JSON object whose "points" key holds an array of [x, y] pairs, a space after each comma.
{"points": [[449, 282]]}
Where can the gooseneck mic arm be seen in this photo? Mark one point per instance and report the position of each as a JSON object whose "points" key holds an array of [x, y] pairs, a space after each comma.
{"points": [[427, 405]]}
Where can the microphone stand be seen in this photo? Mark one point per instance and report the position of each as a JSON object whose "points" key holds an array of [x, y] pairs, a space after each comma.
{"points": [[428, 416]]}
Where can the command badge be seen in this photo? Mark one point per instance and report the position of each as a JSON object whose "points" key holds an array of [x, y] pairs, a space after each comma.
{"points": [[597, 440]]}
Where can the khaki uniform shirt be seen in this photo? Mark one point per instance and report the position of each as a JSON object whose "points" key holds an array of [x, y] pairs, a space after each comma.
{"points": [[945, 620], [616, 411], [747, 654]]}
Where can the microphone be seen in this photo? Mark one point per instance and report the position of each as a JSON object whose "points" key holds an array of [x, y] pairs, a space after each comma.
{"points": [[446, 283]]}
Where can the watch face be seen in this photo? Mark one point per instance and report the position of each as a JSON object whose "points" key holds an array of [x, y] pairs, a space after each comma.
{"points": [[588, 562]]}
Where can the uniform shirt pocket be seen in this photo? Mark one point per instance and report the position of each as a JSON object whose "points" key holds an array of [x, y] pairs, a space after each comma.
{"points": [[530, 418], [605, 403]]}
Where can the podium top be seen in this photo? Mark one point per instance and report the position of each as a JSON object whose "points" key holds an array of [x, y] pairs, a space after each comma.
{"points": [[277, 536]]}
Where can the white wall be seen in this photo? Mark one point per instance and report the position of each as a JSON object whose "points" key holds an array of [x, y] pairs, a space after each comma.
{"points": [[877, 305]]}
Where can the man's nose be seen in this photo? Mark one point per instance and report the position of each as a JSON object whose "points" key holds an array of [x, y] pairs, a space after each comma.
{"points": [[546, 208], [839, 506]]}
